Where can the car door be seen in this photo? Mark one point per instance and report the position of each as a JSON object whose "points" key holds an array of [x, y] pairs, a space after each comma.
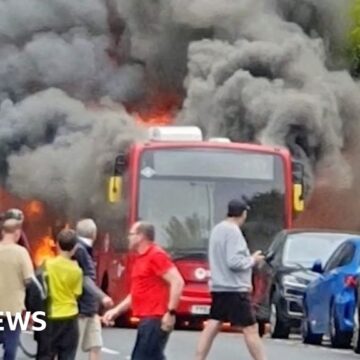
{"points": [[334, 280], [274, 264], [317, 294]]}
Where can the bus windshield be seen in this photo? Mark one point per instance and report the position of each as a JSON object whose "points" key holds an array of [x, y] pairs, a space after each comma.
{"points": [[184, 193]]}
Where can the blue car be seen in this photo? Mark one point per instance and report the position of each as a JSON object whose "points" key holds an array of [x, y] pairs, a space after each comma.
{"points": [[330, 301]]}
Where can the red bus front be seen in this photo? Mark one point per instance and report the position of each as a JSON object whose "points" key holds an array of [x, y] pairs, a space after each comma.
{"points": [[183, 189]]}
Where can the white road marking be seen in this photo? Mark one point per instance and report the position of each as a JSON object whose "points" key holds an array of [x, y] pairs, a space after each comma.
{"points": [[109, 351]]}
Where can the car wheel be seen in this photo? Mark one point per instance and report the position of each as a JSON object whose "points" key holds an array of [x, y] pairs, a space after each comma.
{"points": [[307, 335], [356, 332], [338, 338], [280, 328]]}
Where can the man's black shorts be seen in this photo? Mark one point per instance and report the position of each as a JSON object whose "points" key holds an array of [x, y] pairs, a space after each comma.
{"points": [[233, 307]]}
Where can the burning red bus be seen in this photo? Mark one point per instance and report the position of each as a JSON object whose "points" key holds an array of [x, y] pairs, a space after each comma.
{"points": [[182, 184]]}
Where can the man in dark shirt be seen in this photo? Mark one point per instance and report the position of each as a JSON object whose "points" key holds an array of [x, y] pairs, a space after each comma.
{"points": [[156, 287], [89, 321]]}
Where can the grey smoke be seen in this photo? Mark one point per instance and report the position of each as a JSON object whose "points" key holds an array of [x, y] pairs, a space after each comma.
{"points": [[267, 71], [68, 170], [61, 43], [273, 89]]}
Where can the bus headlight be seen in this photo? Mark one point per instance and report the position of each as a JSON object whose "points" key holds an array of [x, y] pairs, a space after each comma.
{"points": [[201, 273]]}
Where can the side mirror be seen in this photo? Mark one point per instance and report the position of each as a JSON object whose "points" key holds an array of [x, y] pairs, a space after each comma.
{"points": [[115, 189], [317, 267], [269, 256], [115, 183], [298, 174]]}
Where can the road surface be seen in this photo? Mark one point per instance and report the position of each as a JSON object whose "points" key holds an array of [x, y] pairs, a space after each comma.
{"points": [[228, 346]]}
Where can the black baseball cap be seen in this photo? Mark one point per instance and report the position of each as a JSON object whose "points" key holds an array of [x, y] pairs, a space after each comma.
{"points": [[236, 207]]}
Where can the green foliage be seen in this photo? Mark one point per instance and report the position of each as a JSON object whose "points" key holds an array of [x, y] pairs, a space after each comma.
{"points": [[186, 234], [354, 37]]}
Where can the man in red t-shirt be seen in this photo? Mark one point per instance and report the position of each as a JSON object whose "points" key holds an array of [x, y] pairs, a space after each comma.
{"points": [[156, 287]]}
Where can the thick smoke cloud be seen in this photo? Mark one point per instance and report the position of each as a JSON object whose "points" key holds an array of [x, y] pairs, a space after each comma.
{"points": [[274, 88], [64, 151], [267, 71], [63, 44]]}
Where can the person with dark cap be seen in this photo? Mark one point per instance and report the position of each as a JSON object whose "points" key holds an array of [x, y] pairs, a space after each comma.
{"points": [[19, 215], [231, 266], [16, 273]]}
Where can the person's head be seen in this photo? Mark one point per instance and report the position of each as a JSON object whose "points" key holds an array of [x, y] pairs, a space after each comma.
{"points": [[66, 241], [11, 230], [87, 228], [141, 233], [13, 213], [237, 211], [11, 224]]}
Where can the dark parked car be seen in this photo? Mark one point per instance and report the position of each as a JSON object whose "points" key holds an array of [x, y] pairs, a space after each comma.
{"points": [[292, 255]]}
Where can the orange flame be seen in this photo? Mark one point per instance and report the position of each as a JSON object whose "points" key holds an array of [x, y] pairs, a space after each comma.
{"points": [[37, 226], [161, 119], [45, 249], [34, 209], [159, 109]]}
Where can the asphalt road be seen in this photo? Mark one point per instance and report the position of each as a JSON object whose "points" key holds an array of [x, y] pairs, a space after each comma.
{"points": [[228, 346]]}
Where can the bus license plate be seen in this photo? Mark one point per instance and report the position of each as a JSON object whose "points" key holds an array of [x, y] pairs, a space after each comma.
{"points": [[200, 309]]}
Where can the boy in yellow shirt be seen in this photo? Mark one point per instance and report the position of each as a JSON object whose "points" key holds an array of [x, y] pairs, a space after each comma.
{"points": [[65, 282]]}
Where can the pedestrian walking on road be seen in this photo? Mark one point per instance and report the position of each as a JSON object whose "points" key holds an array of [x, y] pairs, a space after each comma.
{"points": [[15, 274], [231, 283], [156, 287], [64, 280], [89, 321]]}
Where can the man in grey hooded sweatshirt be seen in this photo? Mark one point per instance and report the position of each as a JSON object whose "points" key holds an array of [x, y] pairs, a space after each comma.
{"points": [[231, 266]]}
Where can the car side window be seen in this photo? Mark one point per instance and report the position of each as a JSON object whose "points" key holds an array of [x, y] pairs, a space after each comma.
{"points": [[347, 255], [341, 257], [274, 247], [334, 259]]}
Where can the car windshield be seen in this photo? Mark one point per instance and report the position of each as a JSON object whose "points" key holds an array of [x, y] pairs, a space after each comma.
{"points": [[185, 192], [305, 248]]}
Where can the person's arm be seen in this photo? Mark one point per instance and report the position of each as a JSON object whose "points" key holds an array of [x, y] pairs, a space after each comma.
{"points": [[93, 289], [109, 317], [27, 269], [87, 266], [123, 306], [78, 284], [85, 262], [176, 283], [163, 267], [237, 255]]}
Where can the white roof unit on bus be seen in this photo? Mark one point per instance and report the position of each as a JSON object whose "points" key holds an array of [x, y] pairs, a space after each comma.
{"points": [[175, 133], [220, 140]]}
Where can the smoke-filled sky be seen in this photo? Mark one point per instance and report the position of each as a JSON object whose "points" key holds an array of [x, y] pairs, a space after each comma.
{"points": [[269, 71]]}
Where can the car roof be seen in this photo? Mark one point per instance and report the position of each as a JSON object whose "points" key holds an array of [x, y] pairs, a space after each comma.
{"points": [[355, 240], [320, 231]]}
